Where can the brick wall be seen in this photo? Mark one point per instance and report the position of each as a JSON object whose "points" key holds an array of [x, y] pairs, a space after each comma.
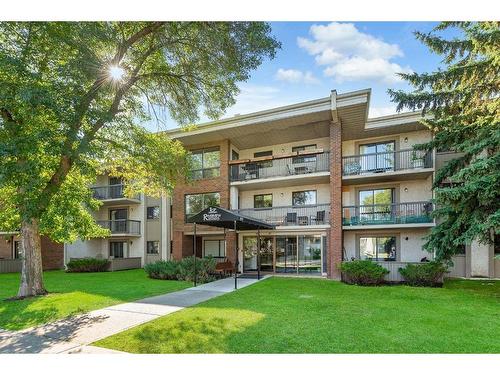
{"points": [[52, 254], [182, 244], [335, 239]]}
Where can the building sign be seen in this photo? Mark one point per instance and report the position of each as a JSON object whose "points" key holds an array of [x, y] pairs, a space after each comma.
{"points": [[212, 215]]}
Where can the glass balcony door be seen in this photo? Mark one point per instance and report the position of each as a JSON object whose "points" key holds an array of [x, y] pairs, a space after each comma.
{"points": [[378, 157]]}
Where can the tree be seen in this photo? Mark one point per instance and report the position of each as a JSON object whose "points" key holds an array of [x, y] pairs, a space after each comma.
{"points": [[462, 103], [71, 98]]}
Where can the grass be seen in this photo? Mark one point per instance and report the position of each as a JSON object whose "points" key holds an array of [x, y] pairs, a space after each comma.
{"points": [[285, 315], [73, 293]]}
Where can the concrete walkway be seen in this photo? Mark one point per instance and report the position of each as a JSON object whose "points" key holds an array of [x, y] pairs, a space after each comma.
{"points": [[73, 335]]}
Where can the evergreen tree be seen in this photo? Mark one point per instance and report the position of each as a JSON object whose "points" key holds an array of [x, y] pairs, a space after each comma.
{"points": [[461, 107]]}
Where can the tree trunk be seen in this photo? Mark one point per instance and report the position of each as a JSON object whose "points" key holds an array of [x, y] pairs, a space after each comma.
{"points": [[32, 272]]}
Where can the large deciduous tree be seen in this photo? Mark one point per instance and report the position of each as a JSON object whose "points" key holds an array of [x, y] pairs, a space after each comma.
{"points": [[71, 98], [463, 106]]}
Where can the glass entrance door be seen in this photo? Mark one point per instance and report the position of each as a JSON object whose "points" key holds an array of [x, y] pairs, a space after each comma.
{"points": [[309, 254], [286, 254]]}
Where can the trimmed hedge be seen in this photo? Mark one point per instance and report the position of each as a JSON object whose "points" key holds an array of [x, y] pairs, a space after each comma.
{"points": [[363, 272], [87, 265], [423, 274], [182, 269]]}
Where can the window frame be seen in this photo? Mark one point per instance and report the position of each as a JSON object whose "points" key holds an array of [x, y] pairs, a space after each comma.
{"points": [[203, 169], [264, 163], [203, 206], [262, 195], [156, 209], [304, 158], [157, 247], [219, 243], [378, 236], [307, 204]]}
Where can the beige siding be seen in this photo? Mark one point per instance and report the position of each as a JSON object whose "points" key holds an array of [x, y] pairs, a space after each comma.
{"points": [[285, 148]]}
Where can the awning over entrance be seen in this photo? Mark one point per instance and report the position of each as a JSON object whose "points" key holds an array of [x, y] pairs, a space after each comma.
{"points": [[222, 218]]}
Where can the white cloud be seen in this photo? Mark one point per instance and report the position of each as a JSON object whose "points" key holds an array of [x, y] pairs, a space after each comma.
{"points": [[382, 111], [351, 55], [295, 76]]}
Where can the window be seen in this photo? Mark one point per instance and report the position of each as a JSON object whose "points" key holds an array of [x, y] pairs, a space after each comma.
{"points": [[215, 248], [234, 155], [117, 249], [267, 163], [305, 158], [377, 248], [152, 247], [206, 163], [153, 212], [376, 204], [262, 200], [378, 156], [302, 198], [195, 203], [16, 245]]}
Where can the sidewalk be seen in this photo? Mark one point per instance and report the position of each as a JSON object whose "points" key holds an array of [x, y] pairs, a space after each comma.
{"points": [[73, 335]]}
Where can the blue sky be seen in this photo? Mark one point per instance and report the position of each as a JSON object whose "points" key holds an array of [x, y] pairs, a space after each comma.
{"points": [[317, 57]]}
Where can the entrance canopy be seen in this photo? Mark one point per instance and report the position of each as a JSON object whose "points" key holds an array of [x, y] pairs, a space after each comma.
{"points": [[222, 218]]}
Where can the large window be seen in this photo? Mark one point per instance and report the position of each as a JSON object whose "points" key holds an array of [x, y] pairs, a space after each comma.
{"points": [[267, 163], [16, 250], [195, 203], [378, 156], [302, 198], [263, 201], [377, 248], [153, 212], [153, 247], [206, 163], [304, 158], [215, 248], [118, 249], [376, 204]]}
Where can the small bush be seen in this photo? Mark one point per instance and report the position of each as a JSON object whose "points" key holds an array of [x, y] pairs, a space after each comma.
{"points": [[87, 265], [363, 272], [183, 269], [423, 274]]}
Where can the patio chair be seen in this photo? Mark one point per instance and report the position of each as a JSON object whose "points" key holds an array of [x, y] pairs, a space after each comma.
{"points": [[291, 218], [320, 217]]}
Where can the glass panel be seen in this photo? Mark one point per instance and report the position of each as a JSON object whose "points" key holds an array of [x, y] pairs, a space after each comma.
{"points": [[309, 254], [194, 204], [368, 247], [211, 159], [385, 161], [301, 198], [249, 254], [153, 247], [117, 249], [306, 158], [197, 160], [263, 200], [266, 254], [153, 212], [212, 248], [280, 254], [211, 199], [386, 248]]}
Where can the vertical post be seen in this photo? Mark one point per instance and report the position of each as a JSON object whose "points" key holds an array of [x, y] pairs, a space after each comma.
{"points": [[235, 258], [258, 254], [194, 253]]}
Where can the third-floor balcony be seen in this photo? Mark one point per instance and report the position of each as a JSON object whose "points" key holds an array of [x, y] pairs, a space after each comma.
{"points": [[113, 194], [122, 227], [313, 165], [382, 166], [317, 214], [390, 214]]}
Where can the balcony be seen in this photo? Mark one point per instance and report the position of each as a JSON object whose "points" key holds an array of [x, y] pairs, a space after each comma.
{"points": [[386, 166], [122, 227], [312, 165], [318, 214], [416, 214], [113, 194]]}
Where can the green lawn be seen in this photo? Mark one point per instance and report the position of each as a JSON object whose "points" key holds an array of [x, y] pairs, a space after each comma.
{"points": [[284, 315], [72, 293]]}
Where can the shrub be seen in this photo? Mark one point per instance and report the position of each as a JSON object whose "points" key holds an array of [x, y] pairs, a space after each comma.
{"points": [[182, 269], [163, 269], [363, 272], [87, 265], [423, 274]]}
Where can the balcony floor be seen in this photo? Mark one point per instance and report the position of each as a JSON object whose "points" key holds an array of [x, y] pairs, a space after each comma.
{"points": [[387, 226], [119, 201], [283, 181], [408, 174]]}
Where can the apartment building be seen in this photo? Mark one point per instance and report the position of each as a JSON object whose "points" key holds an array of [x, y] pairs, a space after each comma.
{"points": [[334, 183]]}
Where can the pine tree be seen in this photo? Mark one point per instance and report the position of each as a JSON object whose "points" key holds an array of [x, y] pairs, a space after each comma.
{"points": [[461, 105]]}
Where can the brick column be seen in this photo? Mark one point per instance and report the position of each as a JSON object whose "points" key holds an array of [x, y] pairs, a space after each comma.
{"points": [[335, 239]]}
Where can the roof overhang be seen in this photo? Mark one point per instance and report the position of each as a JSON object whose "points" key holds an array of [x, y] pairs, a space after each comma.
{"points": [[222, 218]]}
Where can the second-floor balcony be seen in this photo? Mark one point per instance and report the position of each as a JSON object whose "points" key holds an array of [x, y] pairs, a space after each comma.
{"points": [[317, 214], [121, 227], [383, 163], [298, 165], [387, 214], [113, 193]]}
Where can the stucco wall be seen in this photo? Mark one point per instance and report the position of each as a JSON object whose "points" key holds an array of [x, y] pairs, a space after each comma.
{"points": [[91, 248], [285, 148]]}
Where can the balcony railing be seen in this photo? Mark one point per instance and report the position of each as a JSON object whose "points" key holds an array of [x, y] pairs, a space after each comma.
{"points": [[110, 192], [395, 213], [386, 162], [122, 226], [318, 214], [281, 167]]}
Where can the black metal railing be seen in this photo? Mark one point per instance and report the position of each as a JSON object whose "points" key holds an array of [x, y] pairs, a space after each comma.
{"points": [[281, 167], [121, 226], [317, 214], [386, 162], [391, 213], [110, 192]]}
